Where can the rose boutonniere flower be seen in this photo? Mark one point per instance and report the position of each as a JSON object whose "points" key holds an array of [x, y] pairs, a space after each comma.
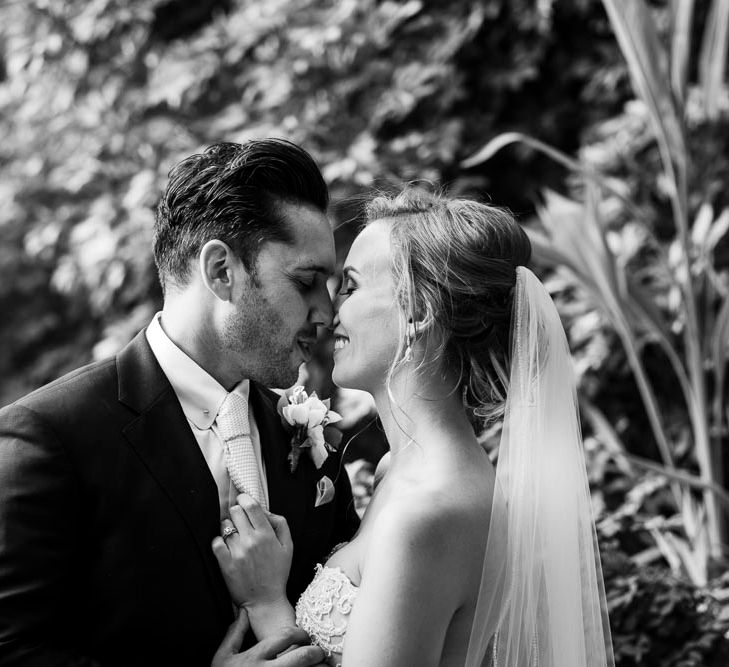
{"points": [[310, 420]]}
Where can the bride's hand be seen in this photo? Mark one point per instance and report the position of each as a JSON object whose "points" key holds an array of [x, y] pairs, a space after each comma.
{"points": [[255, 560]]}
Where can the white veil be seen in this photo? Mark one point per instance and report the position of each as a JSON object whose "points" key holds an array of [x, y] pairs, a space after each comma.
{"points": [[542, 599]]}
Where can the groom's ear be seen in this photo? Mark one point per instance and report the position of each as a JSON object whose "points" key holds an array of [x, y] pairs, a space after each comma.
{"points": [[217, 264]]}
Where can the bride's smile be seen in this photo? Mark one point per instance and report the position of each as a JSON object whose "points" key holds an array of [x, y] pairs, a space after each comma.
{"points": [[368, 327], [340, 341]]}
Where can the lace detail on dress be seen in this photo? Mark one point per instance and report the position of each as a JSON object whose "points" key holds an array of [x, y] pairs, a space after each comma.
{"points": [[324, 607]]}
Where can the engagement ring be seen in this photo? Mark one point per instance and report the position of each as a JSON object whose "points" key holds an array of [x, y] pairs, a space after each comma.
{"points": [[228, 531]]}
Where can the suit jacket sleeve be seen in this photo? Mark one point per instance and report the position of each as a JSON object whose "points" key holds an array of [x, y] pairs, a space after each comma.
{"points": [[40, 537]]}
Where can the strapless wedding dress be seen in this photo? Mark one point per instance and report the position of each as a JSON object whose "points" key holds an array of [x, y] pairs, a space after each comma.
{"points": [[323, 610]]}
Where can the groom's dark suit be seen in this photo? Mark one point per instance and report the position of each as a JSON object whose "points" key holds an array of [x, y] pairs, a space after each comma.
{"points": [[108, 511]]}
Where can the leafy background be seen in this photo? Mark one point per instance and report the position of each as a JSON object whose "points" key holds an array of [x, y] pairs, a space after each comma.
{"points": [[99, 98]]}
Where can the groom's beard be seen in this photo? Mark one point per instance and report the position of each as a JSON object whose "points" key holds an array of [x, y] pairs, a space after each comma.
{"points": [[257, 338]]}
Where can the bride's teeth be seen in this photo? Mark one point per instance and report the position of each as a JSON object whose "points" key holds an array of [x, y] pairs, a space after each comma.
{"points": [[339, 343]]}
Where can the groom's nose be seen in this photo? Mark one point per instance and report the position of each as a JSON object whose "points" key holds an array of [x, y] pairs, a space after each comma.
{"points": [[322, 312]]}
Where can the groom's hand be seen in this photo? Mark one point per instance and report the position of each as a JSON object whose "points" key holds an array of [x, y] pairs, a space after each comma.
{"points": [[264, 654]]}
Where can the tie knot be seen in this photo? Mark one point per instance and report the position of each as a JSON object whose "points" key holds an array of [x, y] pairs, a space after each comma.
{"points": [[233, 403], [232, 417]]}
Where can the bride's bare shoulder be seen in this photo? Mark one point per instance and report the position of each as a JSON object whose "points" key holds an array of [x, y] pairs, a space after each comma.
{"points": [[425, 536], [431, 514]]}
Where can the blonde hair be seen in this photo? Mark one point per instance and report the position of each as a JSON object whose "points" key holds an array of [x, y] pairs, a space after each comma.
{"points": [[454, 265]]}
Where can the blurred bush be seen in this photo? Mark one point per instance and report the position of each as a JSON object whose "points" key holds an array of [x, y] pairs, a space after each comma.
{"points": [[99, 98], [659, 620], [659, 615]]}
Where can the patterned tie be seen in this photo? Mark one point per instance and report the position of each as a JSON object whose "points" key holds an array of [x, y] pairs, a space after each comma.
{"points": [[235, 432]]}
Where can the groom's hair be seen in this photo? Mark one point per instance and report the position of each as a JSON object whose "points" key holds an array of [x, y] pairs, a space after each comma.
{"points": [[231, 192]]}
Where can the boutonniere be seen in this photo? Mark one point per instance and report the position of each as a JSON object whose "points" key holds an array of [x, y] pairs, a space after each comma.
{"points": [[310, 421]]}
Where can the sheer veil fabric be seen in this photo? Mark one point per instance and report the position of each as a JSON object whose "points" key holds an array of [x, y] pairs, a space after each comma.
{"points": [[542, 599]]}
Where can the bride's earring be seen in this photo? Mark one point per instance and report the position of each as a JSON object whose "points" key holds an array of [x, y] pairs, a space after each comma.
{"points": [[409, 342]]}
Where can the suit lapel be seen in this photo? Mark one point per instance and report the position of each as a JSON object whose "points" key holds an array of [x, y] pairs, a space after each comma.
{"points": [[290, 494], [161, 437]]}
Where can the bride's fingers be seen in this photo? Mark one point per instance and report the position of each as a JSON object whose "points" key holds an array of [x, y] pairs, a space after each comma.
{"points": [[281, 528], [221, 548], [239, 517], [255, 513], [234, 636], [221, 551]]}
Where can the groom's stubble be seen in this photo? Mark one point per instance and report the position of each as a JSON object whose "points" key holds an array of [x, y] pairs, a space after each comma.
{"points": [[257, 333]]}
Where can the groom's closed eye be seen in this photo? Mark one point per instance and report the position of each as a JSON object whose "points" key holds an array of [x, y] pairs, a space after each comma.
{"points": [[304, 284], [307, 277], [305, 280]]}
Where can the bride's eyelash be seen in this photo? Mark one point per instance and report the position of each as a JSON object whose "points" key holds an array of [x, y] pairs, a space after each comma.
{"points": [[350, 286]]}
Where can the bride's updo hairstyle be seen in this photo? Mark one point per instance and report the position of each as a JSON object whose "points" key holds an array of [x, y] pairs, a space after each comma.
{"points": [[454, 266]]}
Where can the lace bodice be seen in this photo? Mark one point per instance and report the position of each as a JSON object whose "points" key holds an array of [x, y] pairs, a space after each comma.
{"points": [[324, 607]]}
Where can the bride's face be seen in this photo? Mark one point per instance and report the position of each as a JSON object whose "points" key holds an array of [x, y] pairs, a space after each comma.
{"points": [[367, 326]]}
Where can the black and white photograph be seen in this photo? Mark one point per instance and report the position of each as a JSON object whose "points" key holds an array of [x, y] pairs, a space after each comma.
{"points": [[364, 333]]}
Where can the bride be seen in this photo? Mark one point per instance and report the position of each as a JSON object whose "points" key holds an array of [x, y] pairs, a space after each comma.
{"points": [[456, 562]]}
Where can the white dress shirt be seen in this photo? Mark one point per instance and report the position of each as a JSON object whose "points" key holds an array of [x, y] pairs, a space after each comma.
{"points": [[201, 396]]}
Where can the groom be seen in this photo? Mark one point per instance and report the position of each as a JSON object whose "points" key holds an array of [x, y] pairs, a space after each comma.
{"points": [[114, 478]]}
